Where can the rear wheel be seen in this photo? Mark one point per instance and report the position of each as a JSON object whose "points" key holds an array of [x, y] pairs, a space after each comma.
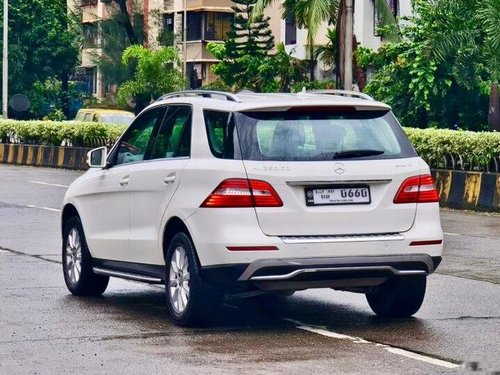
{"points": [[398, 297], [77, 262], [187, 294]]}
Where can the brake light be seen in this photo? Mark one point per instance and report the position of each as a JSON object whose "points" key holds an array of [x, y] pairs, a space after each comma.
{"points": [[240, 192], [417, 189]]}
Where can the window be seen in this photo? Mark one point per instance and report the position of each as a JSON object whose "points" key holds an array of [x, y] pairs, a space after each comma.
{"points": [[218, 127], [85, 3], [90, 31], [217, 25], [137, 140], [174, 137], [167, 37], [311, 135], [290, 30], [193, 26]]}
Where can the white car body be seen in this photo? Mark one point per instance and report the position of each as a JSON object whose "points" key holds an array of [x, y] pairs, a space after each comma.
{"points": [[127, 211]]}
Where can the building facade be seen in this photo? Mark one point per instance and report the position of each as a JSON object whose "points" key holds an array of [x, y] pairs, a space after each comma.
{"points": [[210, 20]]}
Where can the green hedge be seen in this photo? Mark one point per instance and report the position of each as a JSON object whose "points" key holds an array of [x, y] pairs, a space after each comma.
{"points": [[435, 144], [431, 144], [81, 134]]}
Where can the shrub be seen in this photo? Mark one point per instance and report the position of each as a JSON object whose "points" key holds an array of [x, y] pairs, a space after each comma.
{"points": [[433, 145], [53, 133]]}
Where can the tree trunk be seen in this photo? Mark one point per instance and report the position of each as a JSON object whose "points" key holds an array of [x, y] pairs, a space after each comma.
{"points": [[360, 73], [311, 58], [127, 23], [494, 112], [340, 50]]}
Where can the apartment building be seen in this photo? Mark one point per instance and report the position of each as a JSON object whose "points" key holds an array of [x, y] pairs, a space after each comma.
{"points": [[210, 20]]}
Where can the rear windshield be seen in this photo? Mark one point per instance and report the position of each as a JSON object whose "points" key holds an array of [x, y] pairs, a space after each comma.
{"points": [[117, 119], [306, 135]]}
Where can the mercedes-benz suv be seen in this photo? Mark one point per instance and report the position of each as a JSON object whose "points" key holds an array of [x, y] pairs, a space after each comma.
{"points": [[212, 194]]}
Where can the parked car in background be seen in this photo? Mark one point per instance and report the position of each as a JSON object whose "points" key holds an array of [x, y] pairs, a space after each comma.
{"points": [[112, 116], [215, 194]]}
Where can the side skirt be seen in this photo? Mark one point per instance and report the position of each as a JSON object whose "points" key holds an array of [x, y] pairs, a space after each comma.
{"points": [[147, 273]]}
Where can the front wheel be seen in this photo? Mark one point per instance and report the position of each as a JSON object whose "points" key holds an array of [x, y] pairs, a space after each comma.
{"points": [[187, 295], [77, 262], [398, 297]]}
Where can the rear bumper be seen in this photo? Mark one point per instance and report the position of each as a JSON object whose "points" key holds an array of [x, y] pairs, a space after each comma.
{"points": [[326, 272]]}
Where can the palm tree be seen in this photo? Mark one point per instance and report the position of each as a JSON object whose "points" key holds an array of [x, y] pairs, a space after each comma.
{"points": [[312, 14], [472, 25]]}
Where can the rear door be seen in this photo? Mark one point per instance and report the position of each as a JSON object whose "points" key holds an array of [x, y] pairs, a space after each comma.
{"points": [[337, 173]]}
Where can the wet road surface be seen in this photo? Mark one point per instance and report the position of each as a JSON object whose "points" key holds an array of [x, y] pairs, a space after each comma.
{"points": [[45, 330]]}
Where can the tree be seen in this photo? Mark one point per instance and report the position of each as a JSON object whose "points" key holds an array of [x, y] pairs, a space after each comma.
{"points": [[156, 73], [441, 72], [312, 14], [41, 46], [244, 57]]}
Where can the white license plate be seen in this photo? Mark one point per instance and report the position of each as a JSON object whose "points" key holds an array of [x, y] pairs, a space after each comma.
{"points": [[338, 195]]}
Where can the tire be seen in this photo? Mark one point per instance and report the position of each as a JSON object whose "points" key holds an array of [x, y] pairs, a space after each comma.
{"points": [[398, 297], [77, 262], [186, 293]]}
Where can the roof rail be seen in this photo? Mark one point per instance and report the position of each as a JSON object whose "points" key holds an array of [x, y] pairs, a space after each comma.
{"points": [[355, 94], [203, 93]]}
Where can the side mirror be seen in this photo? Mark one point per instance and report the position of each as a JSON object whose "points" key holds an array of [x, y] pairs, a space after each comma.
{"points": [[96, 158]]}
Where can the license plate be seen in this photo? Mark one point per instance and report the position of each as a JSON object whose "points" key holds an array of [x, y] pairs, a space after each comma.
{"points": [[338, 195]]}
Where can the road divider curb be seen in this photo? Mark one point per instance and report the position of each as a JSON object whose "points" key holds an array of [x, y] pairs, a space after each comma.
{"points": [[43, 156], [479, 191]]}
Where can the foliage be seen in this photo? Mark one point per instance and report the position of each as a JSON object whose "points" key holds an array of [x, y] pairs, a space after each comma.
{"points": [[53, 133], [314, 85], [47, 99], [289, 70], [157, 72], [441, 71], [244, 57], [431, 144], [328, 53], [435, 144], [41, 45]]}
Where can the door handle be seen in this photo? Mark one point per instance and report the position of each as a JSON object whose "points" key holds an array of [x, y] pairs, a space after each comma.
{"points": [[169, 179], [124, 181]]}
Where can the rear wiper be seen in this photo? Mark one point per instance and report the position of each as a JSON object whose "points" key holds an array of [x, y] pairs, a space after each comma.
{"points": [[356, 153]]}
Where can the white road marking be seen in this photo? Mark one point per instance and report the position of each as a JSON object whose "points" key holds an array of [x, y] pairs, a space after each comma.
{"points": [[49, 184], [359, 340], [44, 208], [451, 234], [4, 251], [420, 357]]}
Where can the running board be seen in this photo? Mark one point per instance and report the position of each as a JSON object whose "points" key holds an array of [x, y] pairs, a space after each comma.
{"points": [[127, 275]]}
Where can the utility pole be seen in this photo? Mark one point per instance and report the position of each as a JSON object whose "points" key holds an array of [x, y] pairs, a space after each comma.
{"points": [[348, 45], [184, 37], [5, 60]]}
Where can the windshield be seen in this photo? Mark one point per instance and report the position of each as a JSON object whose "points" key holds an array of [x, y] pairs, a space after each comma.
{"points": [[305, 135], [117, 119]]}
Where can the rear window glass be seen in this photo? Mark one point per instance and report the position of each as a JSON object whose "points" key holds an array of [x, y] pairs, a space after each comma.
{"points": [[117, 119], [308, 135]]}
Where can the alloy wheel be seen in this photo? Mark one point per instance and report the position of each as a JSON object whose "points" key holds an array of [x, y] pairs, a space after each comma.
{"points": [[179, 280]]}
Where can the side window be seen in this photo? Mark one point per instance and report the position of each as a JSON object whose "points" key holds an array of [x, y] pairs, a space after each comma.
{"points": [[174, 137], [88, 117], [134, 145], [216, 123]]}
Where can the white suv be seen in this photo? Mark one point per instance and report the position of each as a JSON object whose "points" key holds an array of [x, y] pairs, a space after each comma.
{"points": [[216, 194]]}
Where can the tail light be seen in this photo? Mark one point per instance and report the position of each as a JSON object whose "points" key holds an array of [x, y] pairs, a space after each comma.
{"points": [[417, 189], [240, 192]]}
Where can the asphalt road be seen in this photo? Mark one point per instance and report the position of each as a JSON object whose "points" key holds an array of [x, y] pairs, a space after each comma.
{"points": [[45, 330]]}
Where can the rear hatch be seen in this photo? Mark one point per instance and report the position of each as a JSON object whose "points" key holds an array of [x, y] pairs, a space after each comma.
{"points": [[336, 170]]}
